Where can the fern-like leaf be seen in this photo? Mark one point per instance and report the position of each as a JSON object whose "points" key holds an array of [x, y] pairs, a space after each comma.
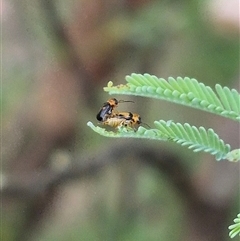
{"points": [[235, 228], [185, 91], [197, 139]]}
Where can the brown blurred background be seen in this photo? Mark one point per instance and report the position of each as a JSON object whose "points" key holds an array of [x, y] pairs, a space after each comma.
{"points": [[60, 180]]}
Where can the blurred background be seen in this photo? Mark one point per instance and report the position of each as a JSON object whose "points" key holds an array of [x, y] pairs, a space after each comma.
{"points": [[60, 180]]}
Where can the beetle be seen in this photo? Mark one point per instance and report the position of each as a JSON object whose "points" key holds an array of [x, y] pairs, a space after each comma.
{"points": [[124, 119], [107, 109]]}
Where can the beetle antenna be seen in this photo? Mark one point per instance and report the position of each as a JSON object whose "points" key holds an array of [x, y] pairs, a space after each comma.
{"points": [[121, 101]]}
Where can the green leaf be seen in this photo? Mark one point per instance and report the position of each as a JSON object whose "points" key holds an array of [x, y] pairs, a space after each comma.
{"points": [[197, 139], [235, 228], [185, 91]]}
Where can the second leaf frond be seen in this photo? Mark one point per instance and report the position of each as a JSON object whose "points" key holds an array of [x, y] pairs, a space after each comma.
{"points": [[197, 139]]}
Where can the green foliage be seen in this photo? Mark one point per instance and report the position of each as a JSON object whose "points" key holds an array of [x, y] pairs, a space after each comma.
{"points": [[235, 228], [188, 92], [197, 139], [185, 91]]}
